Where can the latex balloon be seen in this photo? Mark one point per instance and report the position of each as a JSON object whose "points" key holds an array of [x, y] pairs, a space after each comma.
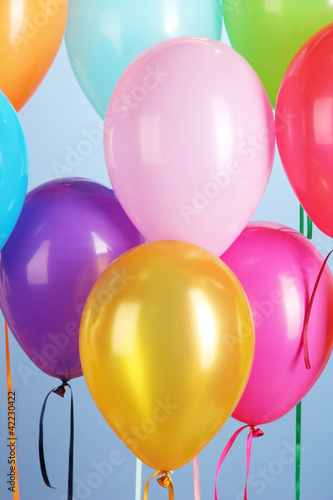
{"points": [[30, 36], [68, 233], [268, 34], [119, 30], [278, 268], [14, 167], [166, 344], [188, 149], [304, 128]]}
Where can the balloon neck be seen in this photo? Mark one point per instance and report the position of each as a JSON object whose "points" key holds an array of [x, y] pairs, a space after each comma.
{"points": [[165, 480], [256, 432], [61, 390]]}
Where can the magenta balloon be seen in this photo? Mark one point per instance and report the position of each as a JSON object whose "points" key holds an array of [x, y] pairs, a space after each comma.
{"points": [[189, 142], [69, 231], [278, 268]]}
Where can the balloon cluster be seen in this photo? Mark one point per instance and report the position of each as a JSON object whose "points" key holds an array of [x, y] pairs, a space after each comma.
{"points": [[189, 138]]}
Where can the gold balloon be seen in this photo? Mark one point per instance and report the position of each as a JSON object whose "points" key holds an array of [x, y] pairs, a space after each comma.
{"points": [[166, 345]]}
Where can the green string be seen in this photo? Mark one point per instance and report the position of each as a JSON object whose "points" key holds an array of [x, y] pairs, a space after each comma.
{"points": [[301, 219], [299, 406], [298, 448], [309, 233], [301, 223]]}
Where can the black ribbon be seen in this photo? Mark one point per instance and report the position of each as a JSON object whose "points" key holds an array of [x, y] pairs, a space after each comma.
{"points": [[60, 391]]}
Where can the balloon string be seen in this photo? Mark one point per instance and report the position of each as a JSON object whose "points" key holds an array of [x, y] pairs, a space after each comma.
{"points": [[11, 418], [164, 481], [307, 364], [253, 433], [309, 230], [298, 448], [301, 219], [301, 223], [138, 479], [60, 391], [299, 406], [196, 478], [308, 312]]}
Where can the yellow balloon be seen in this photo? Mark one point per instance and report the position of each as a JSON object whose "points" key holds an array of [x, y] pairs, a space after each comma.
{"points": [[166, 345]]}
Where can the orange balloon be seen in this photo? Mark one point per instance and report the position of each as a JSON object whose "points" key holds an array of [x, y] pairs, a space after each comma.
{"points": [[31, 32]]}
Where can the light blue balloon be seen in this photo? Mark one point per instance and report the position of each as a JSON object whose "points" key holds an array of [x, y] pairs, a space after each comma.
{"points": [[13, 168], [104, 36]]}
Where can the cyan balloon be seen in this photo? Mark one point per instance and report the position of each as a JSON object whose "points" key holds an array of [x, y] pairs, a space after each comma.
{"points": [[104, 36], [13, 168]]}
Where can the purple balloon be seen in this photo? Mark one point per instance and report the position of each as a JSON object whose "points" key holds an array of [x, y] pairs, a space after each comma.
{"points": [[68, 233]]}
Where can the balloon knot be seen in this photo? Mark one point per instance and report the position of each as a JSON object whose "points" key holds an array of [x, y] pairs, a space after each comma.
{"points": [[165, 480], [61, 390], [256, 432]]}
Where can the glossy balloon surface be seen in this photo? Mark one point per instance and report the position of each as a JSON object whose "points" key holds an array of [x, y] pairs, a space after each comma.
{"points": [[278, 268], [14, 166], [103, 37], [269, 33], [31, 32], [189, 142], [304, 128], [68, 233], [166, 345]]}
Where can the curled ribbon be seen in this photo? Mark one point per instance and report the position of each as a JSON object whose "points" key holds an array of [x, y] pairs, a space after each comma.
{"points": [[164, 480], [254, 433], [307, 316], [60, 391]]}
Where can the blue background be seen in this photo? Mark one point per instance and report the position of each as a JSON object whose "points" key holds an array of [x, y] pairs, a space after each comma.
{"points": [[55, 121]]}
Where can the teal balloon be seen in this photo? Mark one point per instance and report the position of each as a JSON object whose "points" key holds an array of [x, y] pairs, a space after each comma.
{"points": [[104, 36], [13, 168]]}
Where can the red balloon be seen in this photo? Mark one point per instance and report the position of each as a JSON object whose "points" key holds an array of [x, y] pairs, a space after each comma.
{"points": [[304, 127]]}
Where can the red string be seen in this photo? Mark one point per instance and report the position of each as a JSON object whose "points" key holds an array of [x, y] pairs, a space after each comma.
{"points": [[196, 478], [307, 316], [254, 432]]}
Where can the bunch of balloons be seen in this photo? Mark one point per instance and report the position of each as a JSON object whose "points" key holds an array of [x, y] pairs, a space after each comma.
{"points": [[164, 331]]}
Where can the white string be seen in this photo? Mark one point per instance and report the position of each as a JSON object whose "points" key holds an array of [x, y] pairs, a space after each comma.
{"points": [[138, 479]]}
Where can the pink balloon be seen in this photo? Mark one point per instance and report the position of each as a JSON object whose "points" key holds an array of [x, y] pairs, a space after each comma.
{"points": [[189, 142], [278, 268]]}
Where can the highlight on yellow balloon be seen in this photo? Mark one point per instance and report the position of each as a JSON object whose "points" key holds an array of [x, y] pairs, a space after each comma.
{"points": [[31, 32], [166, 346]]}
